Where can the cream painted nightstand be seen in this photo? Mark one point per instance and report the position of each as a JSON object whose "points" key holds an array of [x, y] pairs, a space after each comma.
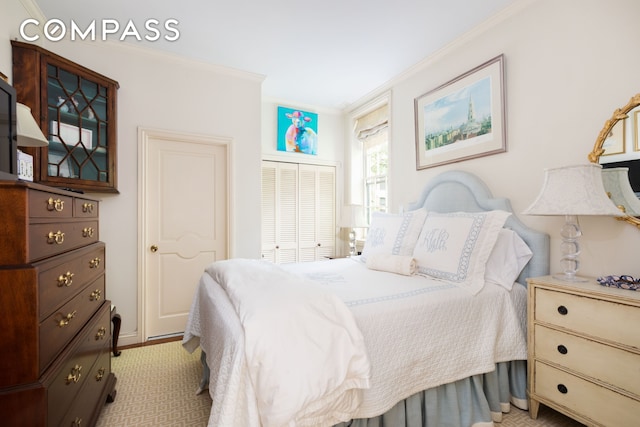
{"points": [[584, 351]]}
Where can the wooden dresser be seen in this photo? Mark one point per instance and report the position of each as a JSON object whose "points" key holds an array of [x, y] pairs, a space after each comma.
{"points": [[56, 332], [584, 351]]}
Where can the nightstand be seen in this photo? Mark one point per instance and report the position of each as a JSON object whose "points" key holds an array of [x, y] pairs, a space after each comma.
{"points": [[584, 351]]}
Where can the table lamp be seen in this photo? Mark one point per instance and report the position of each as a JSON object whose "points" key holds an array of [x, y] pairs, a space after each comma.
{"points": [[352, 217], [572, 191]]}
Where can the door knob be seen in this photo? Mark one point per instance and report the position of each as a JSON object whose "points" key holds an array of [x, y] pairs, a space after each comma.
{"points": [[154, 248]]}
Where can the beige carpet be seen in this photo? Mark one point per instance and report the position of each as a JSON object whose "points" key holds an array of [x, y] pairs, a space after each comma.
{"points": [[156, 388]]}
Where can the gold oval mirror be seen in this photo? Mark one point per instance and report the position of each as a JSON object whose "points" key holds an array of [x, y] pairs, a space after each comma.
{"points": [[621, 159]]}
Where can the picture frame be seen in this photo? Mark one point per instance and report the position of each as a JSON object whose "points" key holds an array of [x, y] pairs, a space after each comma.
{"points": [[462, 119], [615, 142], [297, 131]]}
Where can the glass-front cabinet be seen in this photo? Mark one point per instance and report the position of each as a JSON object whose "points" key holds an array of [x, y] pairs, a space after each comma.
{"points": [[76, 109]]}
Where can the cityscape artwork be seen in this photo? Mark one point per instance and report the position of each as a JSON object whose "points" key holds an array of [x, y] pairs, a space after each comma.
{"points": [[463, 118]]}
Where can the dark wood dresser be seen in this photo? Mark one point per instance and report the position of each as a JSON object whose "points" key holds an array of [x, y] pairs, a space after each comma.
{"points": [[56, 333]]}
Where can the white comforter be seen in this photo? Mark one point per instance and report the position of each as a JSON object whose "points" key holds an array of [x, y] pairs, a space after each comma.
{"points": [[419, 333], [322, 362]]}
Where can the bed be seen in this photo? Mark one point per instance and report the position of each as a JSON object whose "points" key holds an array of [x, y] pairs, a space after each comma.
{"points": [[425, 328]]}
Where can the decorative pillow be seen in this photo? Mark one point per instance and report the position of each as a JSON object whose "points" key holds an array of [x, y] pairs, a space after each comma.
{"points": [[509, 256], [456, 246], [393, 234]]}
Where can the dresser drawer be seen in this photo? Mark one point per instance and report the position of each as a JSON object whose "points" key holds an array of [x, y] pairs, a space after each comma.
{"points": [[60, 327], [48, 205], [76, 370], [85, 208], [583, 397], [577, 313], [589, 358], [49, 239], [62, 277], [83, 408]]}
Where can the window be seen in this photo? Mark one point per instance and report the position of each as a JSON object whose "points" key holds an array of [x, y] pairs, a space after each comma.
{"points": [[372, 131]]}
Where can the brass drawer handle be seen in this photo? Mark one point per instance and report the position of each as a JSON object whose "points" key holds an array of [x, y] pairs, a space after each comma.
{"points": [[66, 319], [94, 263], [95, 295], [77, 422], [87, 207], [55, 238], [74, 375], [55, 205], [101, 333], [87, 232], [100, 375], [65, 279]]}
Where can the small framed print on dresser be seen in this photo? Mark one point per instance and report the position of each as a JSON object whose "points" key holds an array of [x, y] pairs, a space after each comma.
{"points": [[584, 351]]}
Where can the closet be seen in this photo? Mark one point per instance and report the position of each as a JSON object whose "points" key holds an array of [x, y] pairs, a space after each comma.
{"points": [[298, 212]]}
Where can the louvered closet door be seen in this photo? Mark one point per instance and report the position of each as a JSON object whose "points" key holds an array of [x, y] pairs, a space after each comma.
{"points": [[279, 212], [316, 238]]}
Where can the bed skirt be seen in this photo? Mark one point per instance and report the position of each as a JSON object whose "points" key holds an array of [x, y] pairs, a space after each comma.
{"points": [[477, 401]]}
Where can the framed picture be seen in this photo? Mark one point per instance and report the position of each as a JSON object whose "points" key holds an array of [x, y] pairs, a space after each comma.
{"points": [[463, 118], [297, 131], [614, 143]]}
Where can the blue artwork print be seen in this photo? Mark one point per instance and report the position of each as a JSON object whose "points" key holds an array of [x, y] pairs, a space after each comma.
{"points": [[297, 131]]}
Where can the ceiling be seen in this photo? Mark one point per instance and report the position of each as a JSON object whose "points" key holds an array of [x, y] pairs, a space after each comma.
{"points": [[326, 53]]}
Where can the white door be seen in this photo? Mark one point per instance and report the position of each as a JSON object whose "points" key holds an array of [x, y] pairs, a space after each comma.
{"points": [[184, 214], [279, 212], [316, 221]]}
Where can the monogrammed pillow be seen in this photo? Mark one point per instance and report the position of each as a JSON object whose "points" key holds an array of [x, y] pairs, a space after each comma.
{"points": [[455, 246], [393, 234]]}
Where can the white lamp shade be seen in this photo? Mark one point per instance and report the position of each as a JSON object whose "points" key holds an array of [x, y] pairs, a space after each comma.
{"points": [[27, 130], [616, 183], [352, 217], [573, 190]]}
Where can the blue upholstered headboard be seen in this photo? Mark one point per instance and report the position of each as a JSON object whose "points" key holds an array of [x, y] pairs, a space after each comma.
{"points": [[455, 191]]}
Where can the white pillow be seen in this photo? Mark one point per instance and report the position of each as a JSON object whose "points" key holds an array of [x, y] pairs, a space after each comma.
{"points": [[509, 256], [456, 246], [393, 234]]}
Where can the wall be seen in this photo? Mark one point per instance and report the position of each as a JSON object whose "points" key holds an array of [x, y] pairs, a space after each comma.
{"points": [[162, 92], [569, 65]]}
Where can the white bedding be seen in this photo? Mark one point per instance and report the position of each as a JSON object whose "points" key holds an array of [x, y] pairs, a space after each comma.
{"points": [[419, 333]]}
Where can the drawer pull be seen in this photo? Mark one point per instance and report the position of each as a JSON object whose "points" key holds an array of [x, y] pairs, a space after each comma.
{"points": [[101, 333], [95, 295], [94, 263], [74, 375], [65, 279], [563, 389], [562, 349], [77, 422], [563, 310], [57, 238], [87, 207], [55, 205], [100, 375], [66, 319], [87, 232]]}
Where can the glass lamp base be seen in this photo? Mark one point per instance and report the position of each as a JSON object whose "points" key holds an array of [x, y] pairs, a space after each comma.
{"points": [[569, 278]]}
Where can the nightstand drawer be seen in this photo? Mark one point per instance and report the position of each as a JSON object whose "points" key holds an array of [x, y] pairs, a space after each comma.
{"points": [[589, 358], [578, 314], [588, 399]]}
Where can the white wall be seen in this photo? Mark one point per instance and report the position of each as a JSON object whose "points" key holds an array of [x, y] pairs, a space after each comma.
{"points": [[569, 64], [162, 92]]}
